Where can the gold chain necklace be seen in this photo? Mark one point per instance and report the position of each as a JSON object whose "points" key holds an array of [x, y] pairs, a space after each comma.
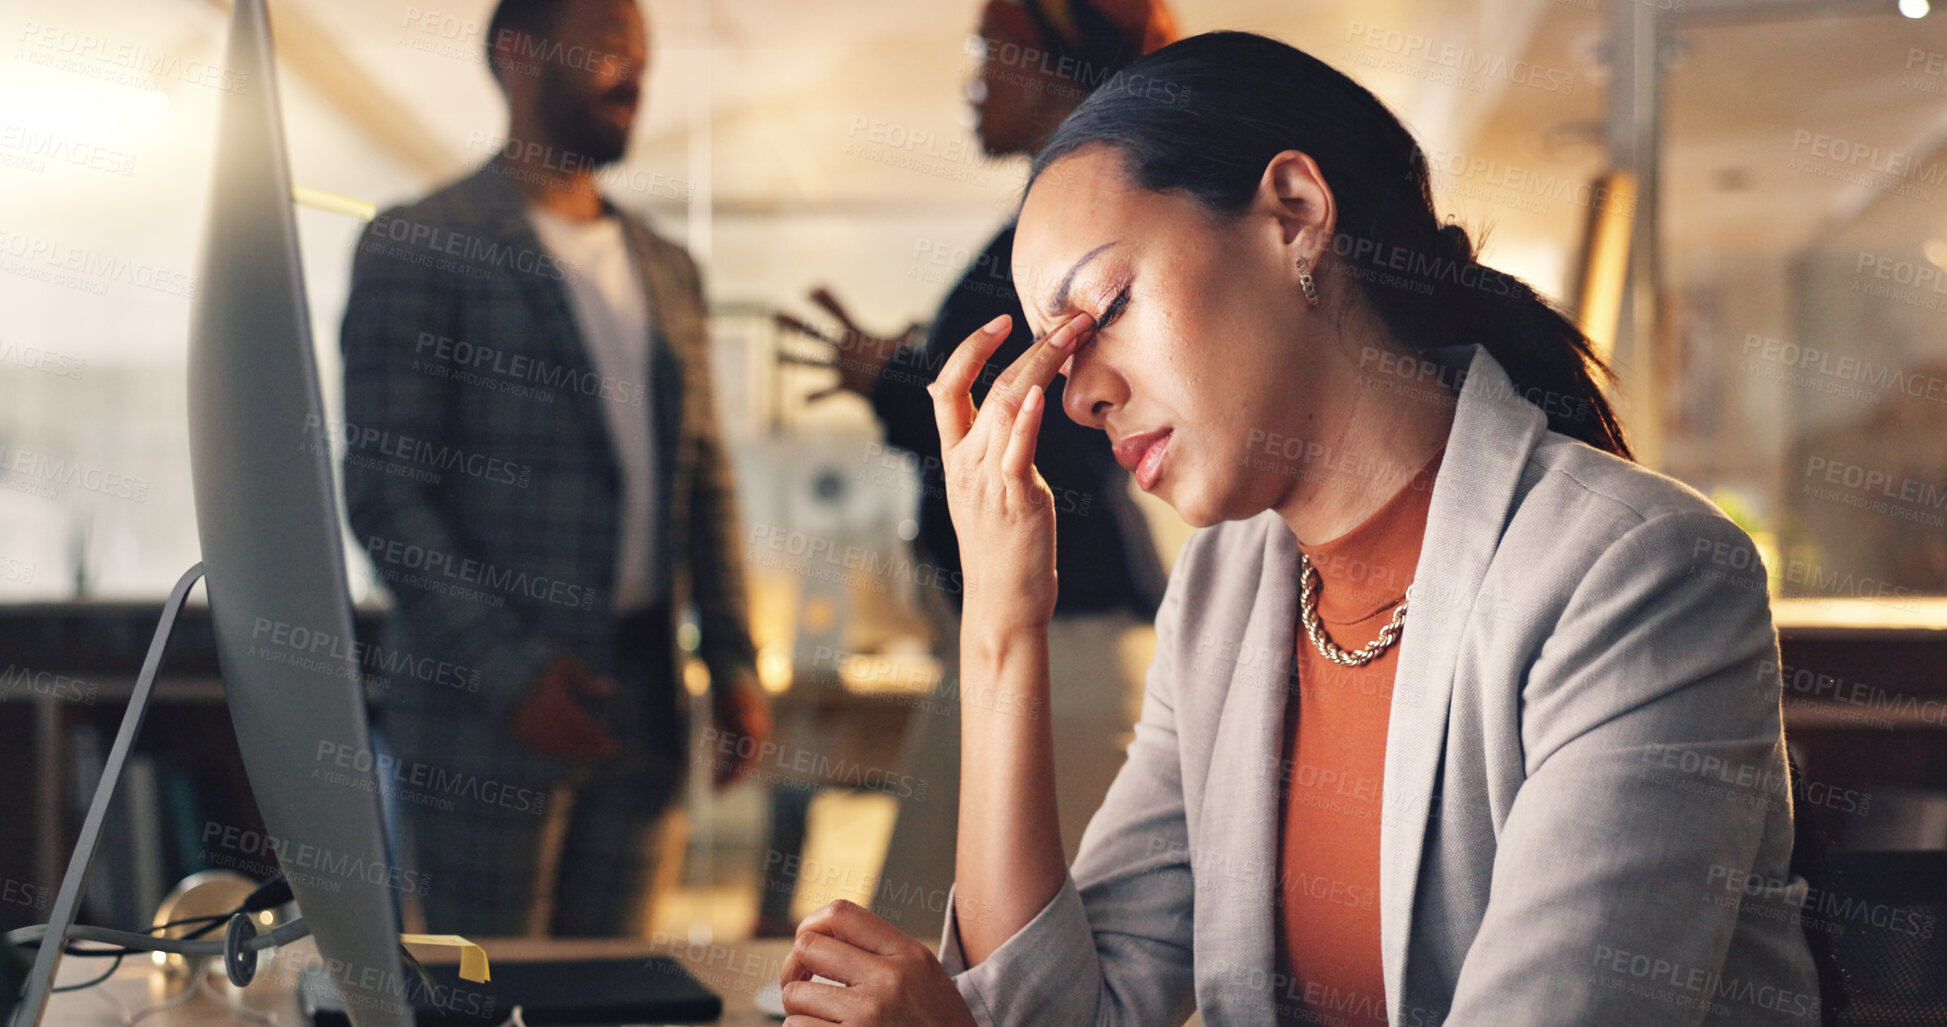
{"points": [[1308, 612]]}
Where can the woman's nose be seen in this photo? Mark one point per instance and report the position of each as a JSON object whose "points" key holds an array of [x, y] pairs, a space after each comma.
{"points": [[1081, 399]]}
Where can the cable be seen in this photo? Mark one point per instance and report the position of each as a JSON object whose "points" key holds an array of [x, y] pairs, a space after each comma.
{"points": [[273, 892], [209, 924], [112, 967], [213, 918], [119, 950], [282, 934]]}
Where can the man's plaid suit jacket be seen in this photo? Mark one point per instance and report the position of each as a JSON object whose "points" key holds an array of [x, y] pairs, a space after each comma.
{"points": [[480, 477]]}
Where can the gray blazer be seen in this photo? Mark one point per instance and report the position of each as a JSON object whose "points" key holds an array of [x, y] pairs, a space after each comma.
{"points": [[1586, 819]]}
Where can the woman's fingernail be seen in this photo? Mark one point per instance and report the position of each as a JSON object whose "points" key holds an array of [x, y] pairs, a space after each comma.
{"points": [[994, 327]]}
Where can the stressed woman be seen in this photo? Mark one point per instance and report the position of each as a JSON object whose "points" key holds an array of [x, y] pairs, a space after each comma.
{"points": [[1457, 714]]}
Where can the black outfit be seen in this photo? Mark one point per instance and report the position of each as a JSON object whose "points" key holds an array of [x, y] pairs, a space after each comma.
{"points": [[1104, 557]]}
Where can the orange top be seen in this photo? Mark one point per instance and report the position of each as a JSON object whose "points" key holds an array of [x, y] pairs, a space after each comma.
{"points": [[1334, 765]]}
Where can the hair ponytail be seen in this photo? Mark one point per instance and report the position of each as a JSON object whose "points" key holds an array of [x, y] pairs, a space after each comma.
{"points": [[1203, 116], [1549, 360]]}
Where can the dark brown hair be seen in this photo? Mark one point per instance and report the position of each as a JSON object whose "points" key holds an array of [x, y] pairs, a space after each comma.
{"points": [[1203, 116]]}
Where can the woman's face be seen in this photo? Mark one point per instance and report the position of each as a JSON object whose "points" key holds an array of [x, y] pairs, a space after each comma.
{"points": [[1017, 101], [1201, 332]]}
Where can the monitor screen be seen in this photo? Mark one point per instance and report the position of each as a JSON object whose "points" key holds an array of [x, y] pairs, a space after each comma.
{"points": [[268, 523]]}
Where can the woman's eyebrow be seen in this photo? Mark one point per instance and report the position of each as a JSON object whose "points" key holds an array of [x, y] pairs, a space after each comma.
{"points": [[1059, 303]]}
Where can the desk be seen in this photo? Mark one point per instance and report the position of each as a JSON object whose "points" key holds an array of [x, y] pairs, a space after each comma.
{"points": [[1865, 703], [733, 970]]}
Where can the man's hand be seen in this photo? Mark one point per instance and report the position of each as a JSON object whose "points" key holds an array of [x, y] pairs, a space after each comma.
{"points": [[741, 713], [858, 354], [890, 979], [552, 723]]}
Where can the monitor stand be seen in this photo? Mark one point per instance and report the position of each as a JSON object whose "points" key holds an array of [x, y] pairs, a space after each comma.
{"points": [[41, 980]]}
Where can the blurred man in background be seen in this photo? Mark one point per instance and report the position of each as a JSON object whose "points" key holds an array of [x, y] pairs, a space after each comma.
{"points": [[1038, 60], [544, 355]]}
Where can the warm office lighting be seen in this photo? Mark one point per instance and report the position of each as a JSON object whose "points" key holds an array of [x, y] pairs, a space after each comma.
{"points": [[905, 672], [1801, 612], [1914, 8], [334, 203], [819, 613], [696, 676], [77, 109], [1605, 267], [1936, 251], [774, 667]]}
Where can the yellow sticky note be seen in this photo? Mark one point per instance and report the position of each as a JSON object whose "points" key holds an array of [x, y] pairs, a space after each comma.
{"points": [[473, 958]]}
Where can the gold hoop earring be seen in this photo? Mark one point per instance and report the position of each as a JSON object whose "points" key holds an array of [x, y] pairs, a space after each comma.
{"points": [[1306, 282]]}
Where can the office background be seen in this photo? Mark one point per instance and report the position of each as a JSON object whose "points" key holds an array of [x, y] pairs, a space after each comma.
{"points": [[1781, 343]]}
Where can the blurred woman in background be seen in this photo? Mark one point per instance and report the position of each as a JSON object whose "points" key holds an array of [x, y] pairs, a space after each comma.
{"points": [[1039, 58]]}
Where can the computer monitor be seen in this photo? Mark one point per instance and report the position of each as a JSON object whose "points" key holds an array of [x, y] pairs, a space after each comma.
{"points": [[273, 556], [274, 566]]}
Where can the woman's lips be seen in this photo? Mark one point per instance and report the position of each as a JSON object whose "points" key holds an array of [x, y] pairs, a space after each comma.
{"points": [[1142, 455]]}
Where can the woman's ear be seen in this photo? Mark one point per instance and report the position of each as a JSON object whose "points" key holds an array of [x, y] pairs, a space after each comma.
{"points": [[1293, 193]]}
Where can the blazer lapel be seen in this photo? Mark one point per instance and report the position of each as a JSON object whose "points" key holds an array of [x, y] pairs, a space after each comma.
{"points": [[1236, 886], [1494, 430], [666, 392], [666, 299]]}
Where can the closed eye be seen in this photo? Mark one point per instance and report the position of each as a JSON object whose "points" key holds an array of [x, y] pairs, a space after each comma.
{"points": [[1109, 314], [1114, 309]]}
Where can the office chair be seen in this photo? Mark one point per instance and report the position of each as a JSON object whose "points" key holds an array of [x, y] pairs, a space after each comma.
{"points": [[1891, 942]]}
